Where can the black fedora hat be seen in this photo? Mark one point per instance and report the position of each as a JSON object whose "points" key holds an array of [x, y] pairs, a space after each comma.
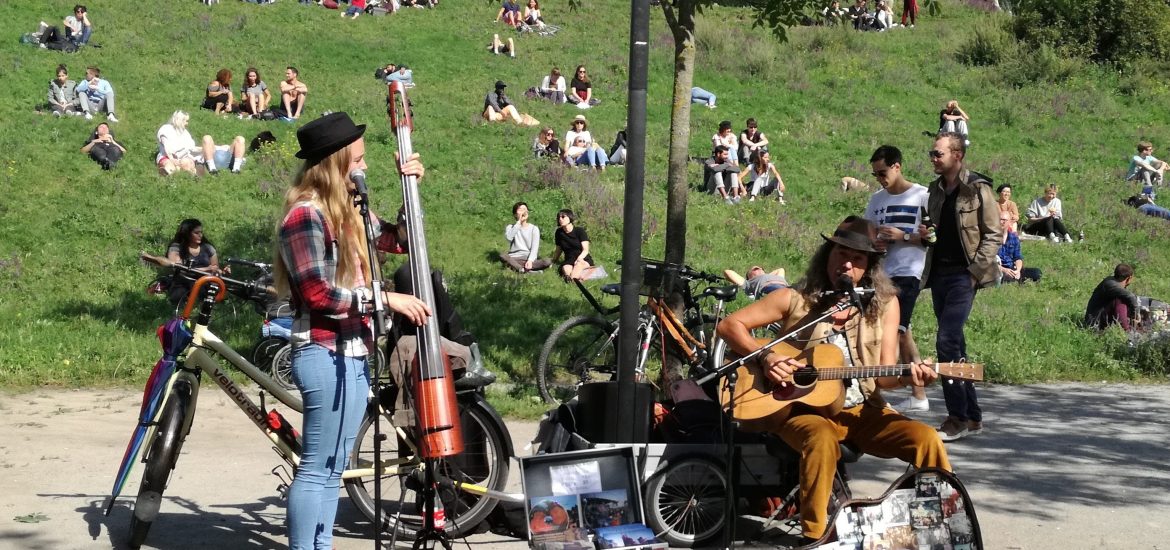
{"points": [[855, 232], [327, 135]]}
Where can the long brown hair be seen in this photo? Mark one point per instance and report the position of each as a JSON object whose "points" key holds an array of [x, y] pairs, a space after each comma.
{"points": [[325, 185], [224, 76], [816, 287]]}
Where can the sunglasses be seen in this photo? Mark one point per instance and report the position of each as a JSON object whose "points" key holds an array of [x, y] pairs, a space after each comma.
{"points": [[935, 154], [881, 174]]}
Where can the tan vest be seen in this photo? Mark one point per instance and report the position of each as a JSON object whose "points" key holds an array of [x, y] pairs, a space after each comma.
{"points": [[865, 341]]}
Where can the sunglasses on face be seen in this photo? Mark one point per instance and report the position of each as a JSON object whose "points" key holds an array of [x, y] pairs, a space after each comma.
{"points": [[935, 154]]}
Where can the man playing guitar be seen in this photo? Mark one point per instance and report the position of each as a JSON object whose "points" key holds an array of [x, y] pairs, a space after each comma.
{"points": [[864, 337]]}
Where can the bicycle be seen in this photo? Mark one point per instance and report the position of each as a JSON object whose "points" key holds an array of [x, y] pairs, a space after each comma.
{"points": [[470, 483], [584, 348]]}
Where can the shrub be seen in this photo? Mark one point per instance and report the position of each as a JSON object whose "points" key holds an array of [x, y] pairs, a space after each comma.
{"points": [[1117, 31], [1039, 65], [989, 46]]}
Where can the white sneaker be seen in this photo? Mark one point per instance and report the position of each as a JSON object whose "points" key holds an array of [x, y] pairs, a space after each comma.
{"points": [[1068, 238], [912, 404], [88, 116], [1052, 237], [110, 117], [57, 114]]}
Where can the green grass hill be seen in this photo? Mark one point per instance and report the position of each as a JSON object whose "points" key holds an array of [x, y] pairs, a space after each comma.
{"points": [[73, 311]]}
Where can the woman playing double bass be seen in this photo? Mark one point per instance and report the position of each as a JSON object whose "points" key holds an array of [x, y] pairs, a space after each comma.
{"points": [[323, 264]]}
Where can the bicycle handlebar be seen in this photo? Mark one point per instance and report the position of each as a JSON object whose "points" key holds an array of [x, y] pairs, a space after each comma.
{"points": [[247, 290], [684, 271]]}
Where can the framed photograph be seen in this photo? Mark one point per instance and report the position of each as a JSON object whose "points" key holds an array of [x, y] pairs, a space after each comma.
{"points": [[925, 513], [634, 535], [607, 509]]}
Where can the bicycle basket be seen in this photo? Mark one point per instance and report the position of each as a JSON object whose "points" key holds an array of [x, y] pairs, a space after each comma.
{"points": [[655, 276]]}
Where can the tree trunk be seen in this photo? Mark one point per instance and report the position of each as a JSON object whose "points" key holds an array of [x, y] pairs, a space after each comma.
{"points": [[681, 19]]}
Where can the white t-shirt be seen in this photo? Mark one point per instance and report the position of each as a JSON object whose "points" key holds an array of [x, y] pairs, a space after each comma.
{"points": [[175, 143], [559, 85], [903, 211], [853, 395], [571, 138]]}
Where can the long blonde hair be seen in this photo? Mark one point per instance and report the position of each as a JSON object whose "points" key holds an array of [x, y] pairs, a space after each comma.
{"points": [[325, 185]]}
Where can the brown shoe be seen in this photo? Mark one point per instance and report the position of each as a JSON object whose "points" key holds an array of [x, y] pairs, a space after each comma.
{"points": [[952, 429], [974, 428]]}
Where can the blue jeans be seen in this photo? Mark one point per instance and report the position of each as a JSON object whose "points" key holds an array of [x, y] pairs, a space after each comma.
{"points": [[335, 390], [953, 295], [79, 39], [593, 157], [699, 95]]}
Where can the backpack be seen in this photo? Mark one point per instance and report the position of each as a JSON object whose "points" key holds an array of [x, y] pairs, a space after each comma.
{"points": [[329, 4]]}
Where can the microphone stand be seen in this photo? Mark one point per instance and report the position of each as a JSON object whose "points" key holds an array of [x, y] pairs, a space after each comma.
{"points": [[361, 200], [730, 372]]}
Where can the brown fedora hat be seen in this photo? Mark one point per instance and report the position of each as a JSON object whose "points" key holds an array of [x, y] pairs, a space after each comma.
{"points": [[855, 232], [327, 135]]}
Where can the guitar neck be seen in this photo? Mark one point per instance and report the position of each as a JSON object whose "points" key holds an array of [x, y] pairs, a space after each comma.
{"points": [[876, 371]]}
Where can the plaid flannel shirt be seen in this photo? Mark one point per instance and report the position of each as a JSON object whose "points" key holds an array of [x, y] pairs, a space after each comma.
{"points": [[1009, 252], [325, 314]]}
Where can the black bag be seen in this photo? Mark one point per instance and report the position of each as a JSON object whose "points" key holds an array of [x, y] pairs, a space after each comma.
{"points": [[271, 114]]}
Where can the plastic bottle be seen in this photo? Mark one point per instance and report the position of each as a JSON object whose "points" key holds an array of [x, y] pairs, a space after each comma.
{"points": [[440, 514]]}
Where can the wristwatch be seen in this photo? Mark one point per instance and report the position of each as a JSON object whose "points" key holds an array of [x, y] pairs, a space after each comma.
{"points": [[906, 236]]}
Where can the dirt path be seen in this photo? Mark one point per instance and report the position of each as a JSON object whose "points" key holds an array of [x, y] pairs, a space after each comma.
{"points": [[1060, 467]]}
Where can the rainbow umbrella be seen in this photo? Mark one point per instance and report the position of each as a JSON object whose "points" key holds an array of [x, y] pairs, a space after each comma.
{"points": [[174, 336]]}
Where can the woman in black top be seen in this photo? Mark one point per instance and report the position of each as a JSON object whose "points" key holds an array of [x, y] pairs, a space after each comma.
{"points": [[189, 248], [102, 148], [582, 88], [573, 242]]}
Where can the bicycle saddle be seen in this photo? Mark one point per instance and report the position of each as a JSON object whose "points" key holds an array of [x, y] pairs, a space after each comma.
{"points": [[724, 293]]}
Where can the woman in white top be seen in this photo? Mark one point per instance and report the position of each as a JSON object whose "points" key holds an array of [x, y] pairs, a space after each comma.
{"points": [[759, 174], [552, 87], [885, 15], [1045, 217], [593, 155], [532, 16], [726, 138], [177, 149]]}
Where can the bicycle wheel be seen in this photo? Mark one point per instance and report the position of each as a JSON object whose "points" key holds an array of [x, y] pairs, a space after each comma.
{"points": [[265, 349], [582, 349], [281, 367], [484, 462], [685, 501], [160, 461]]}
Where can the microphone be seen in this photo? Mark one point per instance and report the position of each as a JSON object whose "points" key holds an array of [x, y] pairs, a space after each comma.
{"points": [[845, 284], [358, 177]]}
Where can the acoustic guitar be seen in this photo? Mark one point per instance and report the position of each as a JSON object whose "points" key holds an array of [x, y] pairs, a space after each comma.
{"points": [[817, 385]]}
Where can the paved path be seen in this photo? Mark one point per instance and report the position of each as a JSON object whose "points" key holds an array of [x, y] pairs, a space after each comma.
{"points": [[1059, 467]]}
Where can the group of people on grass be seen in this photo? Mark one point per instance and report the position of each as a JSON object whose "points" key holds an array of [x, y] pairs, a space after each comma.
{"points": [[571, 252], [864, 18], [255, 99], [579, 148], [741, 167]]}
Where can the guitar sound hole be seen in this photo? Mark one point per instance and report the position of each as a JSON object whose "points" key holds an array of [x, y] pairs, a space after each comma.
{"points": [[805, 376]]}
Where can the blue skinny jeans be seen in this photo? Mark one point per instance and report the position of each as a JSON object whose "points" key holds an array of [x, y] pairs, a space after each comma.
{"points": [[335, 390]]}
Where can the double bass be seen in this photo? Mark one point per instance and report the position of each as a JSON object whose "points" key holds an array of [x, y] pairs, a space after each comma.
{"points": [[440, 431]]}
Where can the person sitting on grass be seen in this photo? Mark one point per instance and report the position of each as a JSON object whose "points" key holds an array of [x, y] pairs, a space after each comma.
{"points": [[717, 171], [954, 119], [356, 7], [96, 95], [499, 47], [1112, 303], [1011, 260], [532, 16], [292, 93], [751, 140], [546, 145], [497, 107], [553, 88], [254, 94], [78, 29], [190, 248], [102, 148], [63, 98], [617, 153], [1145, 167], [582, 89], [177, 150], [833, 14], [884, 16], [400, 73], [219, 96], [758, 283], [1045, 217], [763, 177], [727, 138], [509, 13], [572, 250], [523, 243], [1007, 205], [581, 148]]}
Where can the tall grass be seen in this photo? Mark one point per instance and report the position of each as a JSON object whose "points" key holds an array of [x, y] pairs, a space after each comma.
{"points": [[72, 307]]}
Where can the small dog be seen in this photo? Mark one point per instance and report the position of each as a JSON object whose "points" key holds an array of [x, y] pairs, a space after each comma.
{"points": [[853, 184]]}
